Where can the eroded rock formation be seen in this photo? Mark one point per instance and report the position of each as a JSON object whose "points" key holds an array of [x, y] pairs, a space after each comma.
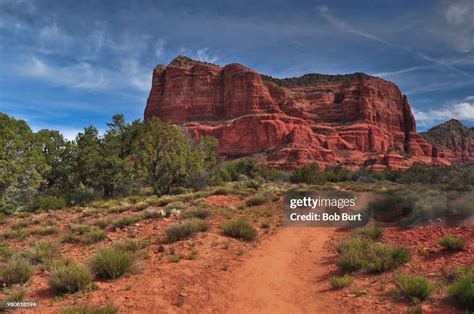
{"points": [[355, 120], [452, 140]]}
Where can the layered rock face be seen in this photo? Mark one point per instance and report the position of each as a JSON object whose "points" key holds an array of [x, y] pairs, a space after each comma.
{"points": [[452, 140], [354, 120]]}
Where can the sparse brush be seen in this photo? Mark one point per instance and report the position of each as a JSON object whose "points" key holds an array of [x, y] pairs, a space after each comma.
{"points": [[414, 288], [69, 277], [127, 221], [380, 258], [356, 253], [131, 246], [15, 294], [196, 213], [21, 224], [256, 200], [14, 234], [16, 271], [89, 309], [452, 243], [338, 282], [186, 229], [174, 258], [153, 214], [102, 223], [239, 229], [374, 233], [44, 231], [109, 263], [117, 209], [41, 252], [175, 205], [84, 234], [461, 291], [141, 206], [222, 191], [5, 252]]}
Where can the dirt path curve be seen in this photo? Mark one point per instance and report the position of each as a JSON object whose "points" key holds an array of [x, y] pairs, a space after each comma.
{"points": [[287, 274]]}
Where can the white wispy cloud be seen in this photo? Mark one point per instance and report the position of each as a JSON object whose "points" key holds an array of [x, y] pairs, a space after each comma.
{"points": [[160, 48], [204, 55], [461, 110], [403, 71], [342, 25], [80, 75], [459, 16], [83, 75]]}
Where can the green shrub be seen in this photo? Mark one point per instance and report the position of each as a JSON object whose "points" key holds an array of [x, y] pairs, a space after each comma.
{"points": [[308, 174], [373, 233], [196, 213], [14, 234], [255, 201], [117, 209], [239, 229], [41, 252], [102, 223], [223, 190], [356, 253], [89, 309], [68, 277], [380, 258], [44, 231], [110, 263], [414, 288], [247, 167], [351, 253], [5, 252], [141, 206], [84, 234], [174, 258], [175, 205], [338, 282], [16, 271], [185, 229], [462, 291], [451, 242], [93, 236], [153, 214], [50, 202], [126, 221], [131, 246], [15, 294], [465, 210], [393, 208]]}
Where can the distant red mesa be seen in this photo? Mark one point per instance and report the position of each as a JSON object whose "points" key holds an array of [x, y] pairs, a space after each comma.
{"points": [[354, 120]]}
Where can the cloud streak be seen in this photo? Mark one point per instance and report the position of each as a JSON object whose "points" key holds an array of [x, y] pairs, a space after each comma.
{"points": [[463, 110]]}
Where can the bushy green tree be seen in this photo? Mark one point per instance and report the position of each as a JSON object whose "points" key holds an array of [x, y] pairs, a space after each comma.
{"points": [[170, 156], [21, 165], [58, 153]]}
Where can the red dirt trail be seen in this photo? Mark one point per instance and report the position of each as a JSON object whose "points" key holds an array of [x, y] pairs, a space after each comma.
{"points": [[289, 273]]}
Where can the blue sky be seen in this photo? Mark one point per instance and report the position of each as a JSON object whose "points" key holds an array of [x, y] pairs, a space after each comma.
{"points": [[68, 64]]}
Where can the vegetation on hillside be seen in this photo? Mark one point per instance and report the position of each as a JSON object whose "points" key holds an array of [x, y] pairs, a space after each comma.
{"points": [[43, 170]]}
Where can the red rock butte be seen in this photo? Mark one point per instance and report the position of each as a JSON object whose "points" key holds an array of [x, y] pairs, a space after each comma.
{"points": [[355, 120]]}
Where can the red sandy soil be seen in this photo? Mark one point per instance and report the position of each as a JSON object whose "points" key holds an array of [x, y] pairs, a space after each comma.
{"points": [[286, 271]]}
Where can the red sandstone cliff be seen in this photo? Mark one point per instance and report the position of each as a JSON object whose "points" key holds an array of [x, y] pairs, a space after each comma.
{"points": [[453, 141], [355, 120]]}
